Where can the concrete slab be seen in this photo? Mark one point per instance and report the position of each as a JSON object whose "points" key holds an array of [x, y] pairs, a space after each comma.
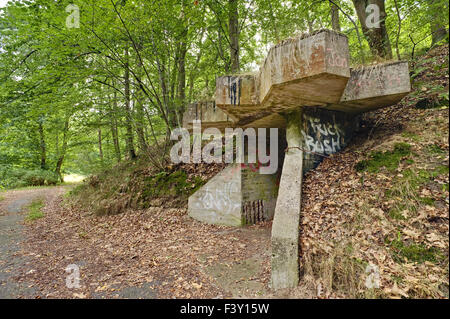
{"points": [[293, 74], [208, 113], [220, 200], [374, 87], [312, 71]]}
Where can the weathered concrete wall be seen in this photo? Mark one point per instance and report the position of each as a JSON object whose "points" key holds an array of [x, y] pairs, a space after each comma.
{"points": [[374, 87], [208, 113], [292, 67], [325, 132], [259, 195], [220, 200], [237, 90], [237, 196]]}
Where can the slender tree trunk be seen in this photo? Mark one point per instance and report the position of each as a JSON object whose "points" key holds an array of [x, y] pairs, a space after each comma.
{"points": [[335, 17], [397, 10], [182, 80], [377, 38], [140, 117], [114, 129], [128, 117], [310, 22], [100, 147], [62, 154], [42, 146], [438, 30], [220, 50], [140, 132], [233, 22]]}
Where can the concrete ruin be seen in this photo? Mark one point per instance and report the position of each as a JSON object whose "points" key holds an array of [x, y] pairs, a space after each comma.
{"points": [[306, 88]]}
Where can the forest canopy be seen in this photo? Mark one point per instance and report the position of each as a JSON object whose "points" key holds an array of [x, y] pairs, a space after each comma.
{"points": [[85, 84]]}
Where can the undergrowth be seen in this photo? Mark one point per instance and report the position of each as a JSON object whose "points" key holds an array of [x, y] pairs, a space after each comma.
{"points": [[13, 177], [137, 185], [35, 210]]}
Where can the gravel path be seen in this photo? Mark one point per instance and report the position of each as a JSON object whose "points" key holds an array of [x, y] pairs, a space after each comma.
{"points": [[12, 233]]}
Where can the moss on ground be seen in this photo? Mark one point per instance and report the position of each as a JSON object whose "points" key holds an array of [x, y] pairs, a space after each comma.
{"points": [[411, 135], [388, 159], [435, 149], [175, 183], [35, 210], [413, 252]]}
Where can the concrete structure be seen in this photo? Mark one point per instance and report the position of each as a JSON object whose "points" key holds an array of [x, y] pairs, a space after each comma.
{"points": [[237, 196], [285, 230], [306, 87], [208, 113]]}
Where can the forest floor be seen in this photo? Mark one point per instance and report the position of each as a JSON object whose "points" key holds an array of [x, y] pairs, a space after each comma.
{"points": [[152, 253]]}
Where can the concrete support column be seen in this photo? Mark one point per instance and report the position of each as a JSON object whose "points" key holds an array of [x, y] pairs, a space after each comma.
{"points": [[285, 227]]}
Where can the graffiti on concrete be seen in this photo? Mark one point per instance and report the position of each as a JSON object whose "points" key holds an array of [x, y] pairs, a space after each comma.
{"points": [[323, 138], [335, 59], [220, 199], [374, 77], [234, 90]]}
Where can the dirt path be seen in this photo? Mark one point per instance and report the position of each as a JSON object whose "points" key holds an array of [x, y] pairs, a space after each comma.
{"points": [[152, 253], [12, 233]]}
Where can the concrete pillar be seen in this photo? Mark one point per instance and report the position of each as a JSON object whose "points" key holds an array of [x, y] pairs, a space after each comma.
{"points": [[285, 227]]}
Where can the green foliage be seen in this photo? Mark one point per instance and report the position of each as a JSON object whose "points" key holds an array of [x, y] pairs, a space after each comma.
{"points": [[13, 177], [63, 98], [388, 159], [396, 211], [411, 135], [35, 210]]}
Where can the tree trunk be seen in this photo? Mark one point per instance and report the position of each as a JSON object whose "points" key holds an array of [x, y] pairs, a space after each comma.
{"points": [[140, 132], [399, 28], [63, 150], [438, 33], [140, 119], [335, 17], [234, 34], [438, 30], [100, 148], [310, 21], [377, 37], [181, 80], [128, 117], [114, 130], [42, 146]]}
